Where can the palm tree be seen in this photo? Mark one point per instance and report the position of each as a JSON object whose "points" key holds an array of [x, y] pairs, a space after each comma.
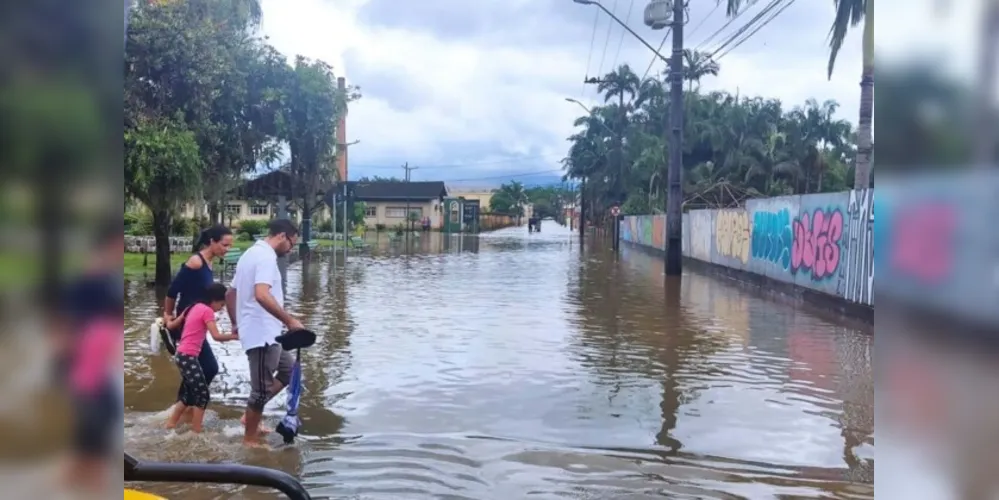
{"points": [[698, 65], [850, 13], [618, 83]]}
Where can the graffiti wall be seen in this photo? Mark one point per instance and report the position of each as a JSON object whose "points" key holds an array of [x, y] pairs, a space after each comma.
{"points": [[824, 242], [645, 230]]}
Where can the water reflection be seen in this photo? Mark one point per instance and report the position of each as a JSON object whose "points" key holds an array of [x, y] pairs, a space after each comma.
{"points": [[512, 364]]}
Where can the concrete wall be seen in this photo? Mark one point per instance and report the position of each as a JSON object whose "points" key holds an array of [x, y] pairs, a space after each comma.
{"points": [[823, 242]]}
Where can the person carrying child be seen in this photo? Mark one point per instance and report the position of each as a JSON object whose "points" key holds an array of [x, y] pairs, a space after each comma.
{"points": [[198, 323]]}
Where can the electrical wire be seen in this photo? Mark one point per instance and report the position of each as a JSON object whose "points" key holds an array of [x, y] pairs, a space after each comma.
{"points": [[660, 49], [703, 20], [750, 35], [707, 40], [603, 57], [620, 43], [756, 19], [507, 176], [462, 165], [589, 56]]}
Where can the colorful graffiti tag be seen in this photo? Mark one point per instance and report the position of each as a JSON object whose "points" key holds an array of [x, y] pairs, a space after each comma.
{"points": [[772, 237], [824, 241], [645, 230], [856, 276], [816, 248]]}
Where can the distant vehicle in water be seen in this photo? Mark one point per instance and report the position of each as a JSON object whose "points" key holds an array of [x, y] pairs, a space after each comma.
{"points": [[533, 225]]}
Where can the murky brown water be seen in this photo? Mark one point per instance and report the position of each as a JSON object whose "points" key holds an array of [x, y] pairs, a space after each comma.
{"points": [[511, 366]]}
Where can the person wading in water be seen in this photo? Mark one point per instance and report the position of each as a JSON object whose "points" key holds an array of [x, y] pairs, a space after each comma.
{"points": [[187, 289], [256, 300]]}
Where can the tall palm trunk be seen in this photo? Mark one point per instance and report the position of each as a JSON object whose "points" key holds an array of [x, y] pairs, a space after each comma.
{"points": [[985, 142], [865, 134]]}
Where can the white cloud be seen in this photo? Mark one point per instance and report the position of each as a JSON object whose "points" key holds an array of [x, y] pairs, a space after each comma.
{"points": [[494, 94]]}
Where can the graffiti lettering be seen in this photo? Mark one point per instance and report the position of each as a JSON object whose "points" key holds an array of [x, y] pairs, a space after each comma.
{"points": [[817, 243], [772, 237], [732, 234], [922, 242], [856, 275]]}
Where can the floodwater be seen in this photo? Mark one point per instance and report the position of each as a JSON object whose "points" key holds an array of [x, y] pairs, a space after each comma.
{"points": [[515, 366]]}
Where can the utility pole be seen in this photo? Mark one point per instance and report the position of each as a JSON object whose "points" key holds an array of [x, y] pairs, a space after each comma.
{"points": [[674, 202], [660, 14], [408, 169], [588, 81]]}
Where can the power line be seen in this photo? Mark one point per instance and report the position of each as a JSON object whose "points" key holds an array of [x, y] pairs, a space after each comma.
{"points": [[655, 57], [756, 19], [507, 176], [704, 20], [716, 33], [589, 56], [408, 169], [620, 42], [462, 165], [761, 26], [603, 57]]}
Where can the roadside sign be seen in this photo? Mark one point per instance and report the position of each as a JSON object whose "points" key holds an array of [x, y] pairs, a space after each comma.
{"points": [[615, 211]]}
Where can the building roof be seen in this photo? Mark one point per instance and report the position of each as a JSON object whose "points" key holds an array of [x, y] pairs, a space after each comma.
{"points": [[373, 191]]}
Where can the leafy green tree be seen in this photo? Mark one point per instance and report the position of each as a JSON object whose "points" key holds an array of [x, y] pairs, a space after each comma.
{"points": [[177, 63], [307, 123], [509, 199]]}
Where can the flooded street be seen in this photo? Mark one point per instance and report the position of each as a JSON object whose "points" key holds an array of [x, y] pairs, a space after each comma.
{"points": [[513, 366]]}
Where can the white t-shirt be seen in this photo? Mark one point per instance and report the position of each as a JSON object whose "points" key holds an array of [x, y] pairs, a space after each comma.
{"points": [[258, 265]]}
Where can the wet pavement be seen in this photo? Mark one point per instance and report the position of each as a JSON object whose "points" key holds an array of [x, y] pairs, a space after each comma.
{"points": [[515, 366]]}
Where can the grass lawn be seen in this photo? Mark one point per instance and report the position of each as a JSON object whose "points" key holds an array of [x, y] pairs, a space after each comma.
{"points": [[134, 267]]}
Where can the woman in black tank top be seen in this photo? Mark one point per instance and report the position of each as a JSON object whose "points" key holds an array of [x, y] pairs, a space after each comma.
{"points": [[188, 288]]}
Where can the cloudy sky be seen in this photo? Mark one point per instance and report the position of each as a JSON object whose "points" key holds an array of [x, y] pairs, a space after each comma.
{"points": [[474, 90]]}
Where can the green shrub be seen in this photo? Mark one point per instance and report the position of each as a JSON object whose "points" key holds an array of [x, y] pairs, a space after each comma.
{"points": [[253, 227], [183, 226], [325, 226], [380, 227], [142, 224]]}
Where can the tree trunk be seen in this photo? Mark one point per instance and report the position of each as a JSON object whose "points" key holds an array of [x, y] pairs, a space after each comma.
{"points": [[161, 234], [985, 131], [214, 213], [865, 139], [49, 207], [306, 230]]}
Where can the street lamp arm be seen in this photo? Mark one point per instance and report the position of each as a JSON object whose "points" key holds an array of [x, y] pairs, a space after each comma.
{"points": [[589, 112], [625, 26]]}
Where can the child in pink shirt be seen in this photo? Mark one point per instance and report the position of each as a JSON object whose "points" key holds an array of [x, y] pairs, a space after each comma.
{"points": [[199, 320]]}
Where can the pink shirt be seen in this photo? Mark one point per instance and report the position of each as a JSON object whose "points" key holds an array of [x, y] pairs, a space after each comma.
{"points": [[195, 329], [100, 348]]}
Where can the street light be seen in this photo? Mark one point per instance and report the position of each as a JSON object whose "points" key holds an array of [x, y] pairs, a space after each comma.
{"points": [[660, 14], [589, 112]]}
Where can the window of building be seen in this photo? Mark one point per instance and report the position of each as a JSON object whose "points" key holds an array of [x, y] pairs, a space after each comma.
{"points": [[371, 211], [260, 210], [234, 210], [400, 212]]}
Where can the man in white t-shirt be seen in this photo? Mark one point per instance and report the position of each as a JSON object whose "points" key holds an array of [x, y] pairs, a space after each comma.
{"points": [[256, 301]]}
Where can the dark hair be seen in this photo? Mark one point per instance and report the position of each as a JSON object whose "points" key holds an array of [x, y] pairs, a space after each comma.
{"points": [[211, 235], [215, 293], [282, 226]]}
